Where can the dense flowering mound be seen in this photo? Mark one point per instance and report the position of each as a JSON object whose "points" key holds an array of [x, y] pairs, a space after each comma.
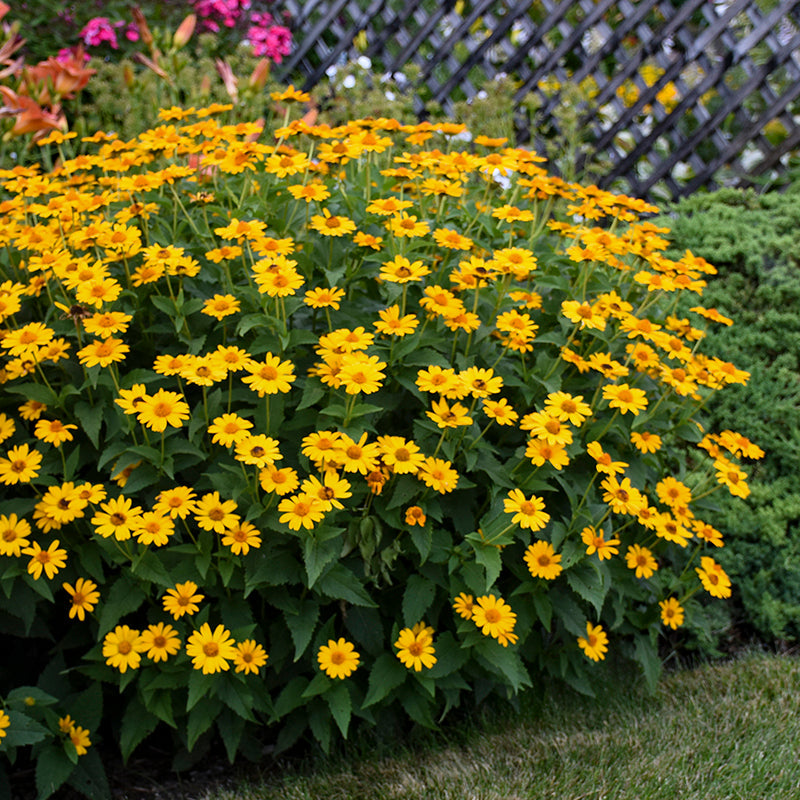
{"points": [[316, 429]]}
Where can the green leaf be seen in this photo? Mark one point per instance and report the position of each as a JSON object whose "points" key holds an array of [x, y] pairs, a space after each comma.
{"points": [[589, 584], [23, 730], [313, 392], [201, 718], [341, 583], [568, 611], [646, 654], [405, 488], [503, 661], [22, 696], [488, 556], [544, 610], [33, 391], [341, 706], [319, 684], [149, 568], [301, 625], [137, 724], [320, 722], [422, 537], [90, 418], [124, 598], [199, 686], [417, 598], [231, 728], [53, 767], [90, 778], [386, 675], [290, 698], [318, 554]]}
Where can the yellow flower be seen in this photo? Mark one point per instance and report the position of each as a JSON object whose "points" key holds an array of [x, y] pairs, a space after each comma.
{"points": [[543, 561], [625, 398], [528, 513], [154, 528], [595, 643], [272, 376], [160, 641], [330, 225], [464, 604], [162, 409], [14, 535], [50, 561], [392, 324], [5, 721], [116, 518], [176, 502], [641, 560], [415, 647], [220, 306], [301, 510], [281, 481], [714, 579], [209, 650], [596, 543], [84, 597], [20, 466], [103, 352], [249, 657], [671, 613], [241, 537], [338, 659], [415, 516], [495, 618], [214, 514], [122, 648], [53, 432], [183, 599], [258, 450]]}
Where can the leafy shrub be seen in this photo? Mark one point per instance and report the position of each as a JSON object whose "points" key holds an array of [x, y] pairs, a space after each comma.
{"points": [[753, 241], [336, 428]]}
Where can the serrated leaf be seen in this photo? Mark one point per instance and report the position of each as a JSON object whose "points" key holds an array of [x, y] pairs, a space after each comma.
{"points": [[318, 554], [340, 583], [301, 626], [341, 706], [647, 655], [53, 767], [417, 598], [124, 598], [589, 584], [137, 724], [386, 675], [91, 419]]}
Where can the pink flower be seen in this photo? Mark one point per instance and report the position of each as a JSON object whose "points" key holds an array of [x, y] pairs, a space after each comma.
{"points": [[99, 30], [274, 42]]}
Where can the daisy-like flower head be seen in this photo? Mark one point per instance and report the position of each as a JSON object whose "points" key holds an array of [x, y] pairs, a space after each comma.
{"points": [[162, 409], [183, 599], [671, 613], [464, 605], [415, 516], [415, 647], [84, 597], [160, 641], [400, 455], [543, 561], [241, 537], [214, 514], [391, 322], [14, 533], [176, 502], [249, 657], [5, 722], [447, 416], [258, 450], [21, 465], [641, 560], [625, 398], [328, 224], [528, 512], [324, 298], [360, 373], [270, 376], [714, 578], [281, 481], [54, 431], [301, 511], [338, 659], [495, 618], [116, 518], [439, 475], [103, 352], [401, 270], [229, 429], [49, 561], [595, 643], [500, 411], [597, 543], [123, 647], [209, 650], [329, 491], [154, 528]]}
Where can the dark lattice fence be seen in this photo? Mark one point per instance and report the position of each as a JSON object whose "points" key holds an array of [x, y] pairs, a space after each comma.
{"points": [[683, 94]]}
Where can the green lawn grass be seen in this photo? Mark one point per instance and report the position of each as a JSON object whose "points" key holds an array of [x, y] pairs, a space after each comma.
{"points": [[729, 730]]}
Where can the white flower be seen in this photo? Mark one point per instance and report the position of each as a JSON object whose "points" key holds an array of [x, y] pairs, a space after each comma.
{"points": [[349, 82], [364, 62], [331, 71], [390, 96]]}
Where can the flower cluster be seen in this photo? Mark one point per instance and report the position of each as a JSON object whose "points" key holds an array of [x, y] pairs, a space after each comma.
{"points": [[333, 396]]}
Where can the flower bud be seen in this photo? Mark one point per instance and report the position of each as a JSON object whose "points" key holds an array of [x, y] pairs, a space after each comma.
{"points": [[184, 31]]}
